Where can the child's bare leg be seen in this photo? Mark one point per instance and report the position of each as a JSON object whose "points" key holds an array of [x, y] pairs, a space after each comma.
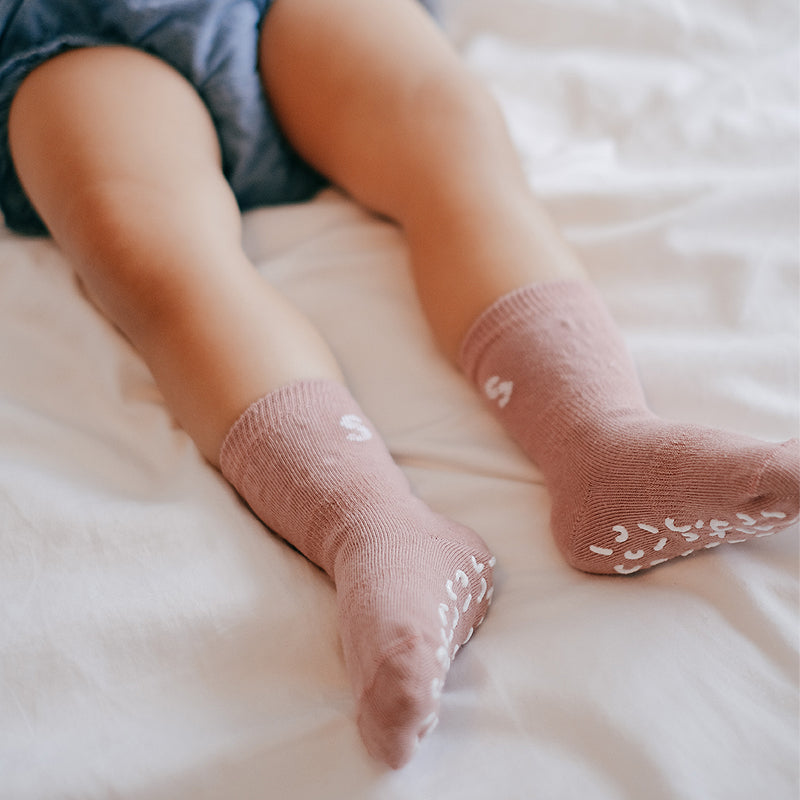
{"points": [[120, 158], [375, 98]]}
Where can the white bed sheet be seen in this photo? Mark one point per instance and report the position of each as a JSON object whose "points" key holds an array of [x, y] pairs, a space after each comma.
{"points": [[156, 642]]}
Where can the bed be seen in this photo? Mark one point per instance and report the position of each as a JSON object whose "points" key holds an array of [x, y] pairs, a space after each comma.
{"points": [[157, 642]]}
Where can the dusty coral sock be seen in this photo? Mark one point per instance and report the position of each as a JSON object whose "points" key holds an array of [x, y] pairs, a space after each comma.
{"points": [[628, 489], [411, 584]]}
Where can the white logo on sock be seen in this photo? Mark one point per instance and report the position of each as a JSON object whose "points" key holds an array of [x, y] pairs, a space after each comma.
{"points": [[499, 390], [354, 423]]}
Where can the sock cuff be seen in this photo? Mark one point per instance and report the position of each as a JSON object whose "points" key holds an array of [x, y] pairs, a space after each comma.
{"points": [[564, 298], [305, 398]]}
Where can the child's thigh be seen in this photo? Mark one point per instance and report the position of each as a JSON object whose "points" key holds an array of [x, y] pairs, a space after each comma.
{"points": [[97, 124], [213, 45]]}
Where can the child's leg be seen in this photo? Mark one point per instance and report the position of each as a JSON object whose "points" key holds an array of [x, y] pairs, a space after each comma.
{"points": [[120, 159], [373, 95], [375, 98]]}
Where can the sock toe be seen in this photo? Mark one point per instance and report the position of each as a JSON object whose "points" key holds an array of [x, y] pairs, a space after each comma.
{"points": [[400, 706], [779, 482]]}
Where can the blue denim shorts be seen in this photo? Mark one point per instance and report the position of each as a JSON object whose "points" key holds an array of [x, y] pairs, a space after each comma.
{"points": [[212, 43]]}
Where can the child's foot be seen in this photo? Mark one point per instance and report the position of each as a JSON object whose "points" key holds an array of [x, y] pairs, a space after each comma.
{"points": [[629, 491], [409, 597], [411, 585], [640, 491]]}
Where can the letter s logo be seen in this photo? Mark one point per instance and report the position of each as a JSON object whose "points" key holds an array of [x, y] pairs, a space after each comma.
{"points": [[359, 431], [499, 390]]}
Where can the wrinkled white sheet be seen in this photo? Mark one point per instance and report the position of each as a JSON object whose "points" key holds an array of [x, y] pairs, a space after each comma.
{"points": [[155, 642]]}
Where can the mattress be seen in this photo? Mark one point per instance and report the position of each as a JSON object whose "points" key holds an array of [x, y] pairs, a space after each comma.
{"points": [[157, 642]]}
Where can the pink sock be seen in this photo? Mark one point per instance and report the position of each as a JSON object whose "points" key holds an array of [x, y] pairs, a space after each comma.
{"points": [[411, 585], [628, 489]]}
